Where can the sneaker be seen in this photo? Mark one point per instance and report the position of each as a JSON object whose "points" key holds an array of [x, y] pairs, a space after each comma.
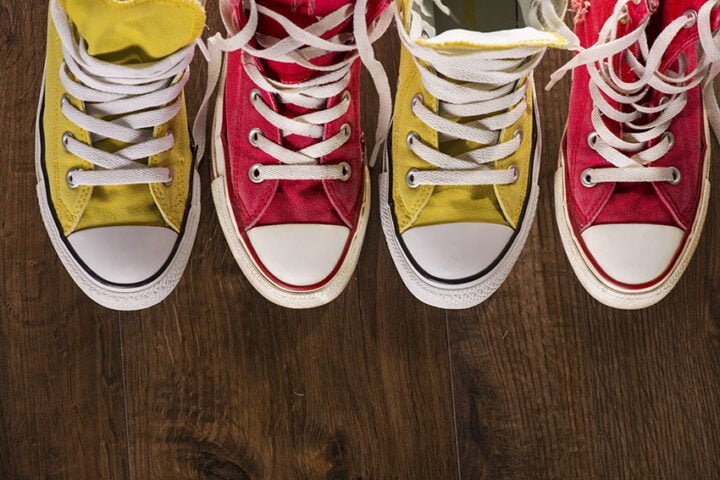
{"points": [[632, 188], [290, 183], [459, 188], [117, 185]]}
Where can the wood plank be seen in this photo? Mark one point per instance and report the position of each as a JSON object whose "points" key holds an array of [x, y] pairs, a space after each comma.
{"points": [[61, 401], [220, 384], [233, 387], [551, 384]]}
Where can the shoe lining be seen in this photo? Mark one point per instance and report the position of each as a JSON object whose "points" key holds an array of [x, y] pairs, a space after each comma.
{"points": [[473, 15]]}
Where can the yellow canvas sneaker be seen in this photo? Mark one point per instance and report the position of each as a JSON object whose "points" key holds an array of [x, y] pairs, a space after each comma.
{"points": [[459, 187], [117, 182]]}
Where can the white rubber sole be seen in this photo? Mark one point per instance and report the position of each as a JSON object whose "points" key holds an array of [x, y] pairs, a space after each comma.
{"points": [[109, 296], [257, 278], [595, 284], [458, 297]]}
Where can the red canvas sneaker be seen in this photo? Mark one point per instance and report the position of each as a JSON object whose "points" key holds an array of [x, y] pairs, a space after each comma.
{"points": [[632, 188], [290, 183]]}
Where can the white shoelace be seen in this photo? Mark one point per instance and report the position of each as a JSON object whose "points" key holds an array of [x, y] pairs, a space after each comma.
{"points": [[138, 98], [633, 153], [491, 84], [301, 46]]}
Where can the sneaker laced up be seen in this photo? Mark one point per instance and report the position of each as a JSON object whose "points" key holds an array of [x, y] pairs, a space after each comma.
{"points": [[645, 136], [122, 103], [490, 84], [301, 46]]}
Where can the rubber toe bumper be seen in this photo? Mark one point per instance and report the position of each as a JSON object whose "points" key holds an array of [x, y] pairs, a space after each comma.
{"points": [[126, 255], [300, 255], [633, 254], [455, 251]]}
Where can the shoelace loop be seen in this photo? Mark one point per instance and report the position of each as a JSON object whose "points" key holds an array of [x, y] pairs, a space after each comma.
{"points": [[632, 154], [301, 46], [138, 98], [488, 87]]}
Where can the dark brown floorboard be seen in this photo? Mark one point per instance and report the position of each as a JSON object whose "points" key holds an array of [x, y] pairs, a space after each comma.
{"points": [[551, 384], [61, 384], [216, 383]]}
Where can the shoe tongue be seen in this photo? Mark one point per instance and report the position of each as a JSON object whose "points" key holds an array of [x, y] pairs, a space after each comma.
{"points": [[302, 13], [304, 10], [135, 31], [499, 40]]}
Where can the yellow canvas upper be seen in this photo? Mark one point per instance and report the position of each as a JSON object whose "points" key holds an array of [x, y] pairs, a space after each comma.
{"points": [[150, 29], [432, 205], [125, 32]]}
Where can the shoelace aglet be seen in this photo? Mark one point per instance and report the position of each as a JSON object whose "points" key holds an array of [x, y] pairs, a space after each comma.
{"points": [[554, 79], [375, 153], [203, 49], [446, 10]]}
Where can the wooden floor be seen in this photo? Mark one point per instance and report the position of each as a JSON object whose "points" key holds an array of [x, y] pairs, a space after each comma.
{"points": [[217, 384]]}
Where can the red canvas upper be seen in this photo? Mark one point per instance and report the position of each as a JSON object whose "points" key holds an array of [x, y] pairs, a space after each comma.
{"points": [[654, 203], [273, 202]]}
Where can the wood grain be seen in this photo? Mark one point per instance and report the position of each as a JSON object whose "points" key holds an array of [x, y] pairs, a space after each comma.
{"points": [[216, 383], [62, 409], [549, 383]]}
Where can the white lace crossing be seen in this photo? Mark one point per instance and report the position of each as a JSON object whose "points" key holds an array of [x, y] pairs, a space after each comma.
{"points": [[491, 84], [138, 98], [642, 143], [302, 46]]}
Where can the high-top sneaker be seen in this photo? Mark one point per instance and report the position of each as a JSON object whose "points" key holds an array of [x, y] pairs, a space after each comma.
{"points": [[117, 185], [632, 189], [290, 183], [459, 190]]}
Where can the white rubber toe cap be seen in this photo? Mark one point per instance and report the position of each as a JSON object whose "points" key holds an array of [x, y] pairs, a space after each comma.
{"points": [[633, 254], [124, 255], [455, 251], [299, 255]]}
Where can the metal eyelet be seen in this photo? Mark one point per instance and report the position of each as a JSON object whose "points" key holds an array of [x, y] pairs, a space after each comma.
{"points": [[586, 178], [518, 134], [516, 173], [416, 99], [254, 136], [66, 139], [346, 172], [592, 140], [346, 130], [70, 180], [65, 99], [410, 178], [670, 138], [255, 95], [346, 97], [425, 34], [255, 174], [676, 176], [411, 138], [692, 16]]}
